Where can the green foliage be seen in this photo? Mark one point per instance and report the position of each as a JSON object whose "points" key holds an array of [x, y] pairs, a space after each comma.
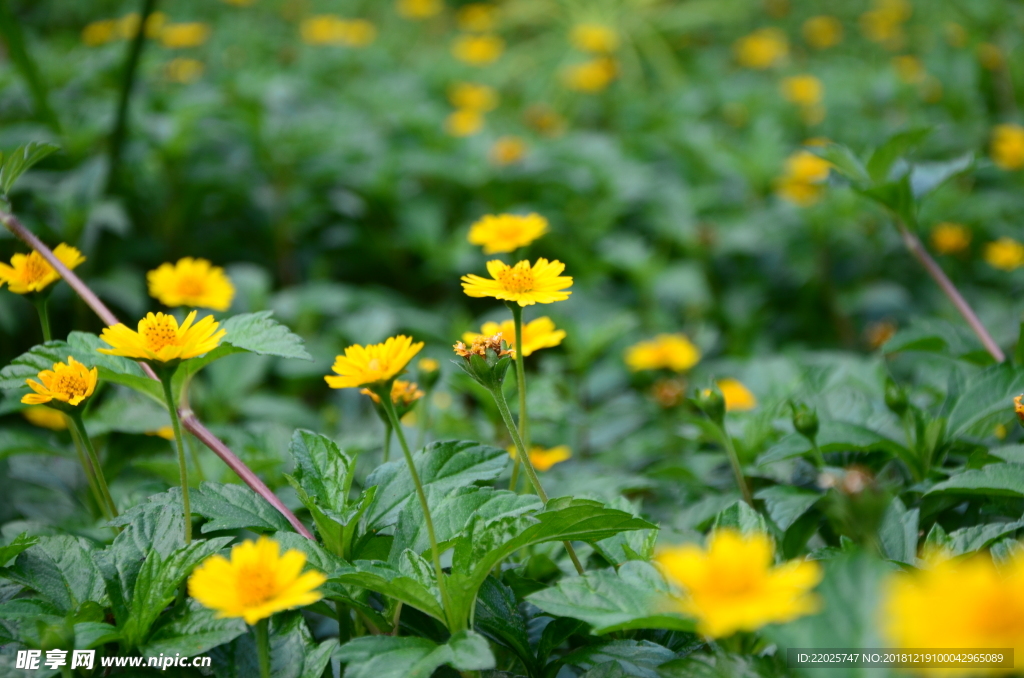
{"points": [[387, 657], [21, 160]]}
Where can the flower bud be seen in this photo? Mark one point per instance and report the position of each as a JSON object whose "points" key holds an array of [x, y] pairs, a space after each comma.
{"points": [[1018, 407], [486, 360], [712, 402], [895, 398], [428, 371], [805, 420]]}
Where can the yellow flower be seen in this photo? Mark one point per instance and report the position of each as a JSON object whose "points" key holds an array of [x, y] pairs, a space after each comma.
{"points": [[100, 32], [537, 334], [328, 29], [803, 180], [31, 273], [737, 397], [804, 90], [909, 69], [507, 150], [1007, 147], [472, 96], [403, 393], [545, 120], [240, 3], [594, 38], [464, 122], [822, 32], [71, 383], [877, 333], [1018, 407], [257, 582], [363, 366], [590, 76], [477, 17], [542, 283], [950, 238], [428, 365], [761, 49], [184, 71], [1005, 254], [191, 282], [956, 603], [165, 432], [543, 459], [734, 586], [419, 9], [478, 50], [45, 417], [666, 351], [181, 36], [507, 232], [160, 339], [990, 56]]}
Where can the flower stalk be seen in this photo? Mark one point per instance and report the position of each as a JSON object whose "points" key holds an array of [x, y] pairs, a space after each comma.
{"points": [[165, 380], [262, 632], [40, 302], [517, 320], [108, 506]]}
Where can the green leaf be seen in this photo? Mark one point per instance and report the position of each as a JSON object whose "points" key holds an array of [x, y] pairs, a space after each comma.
{"points": [[260, 334], [925, 177], [897, 196], [1004, 480], [834, 436], [974, 538], [94, 634], [229, 507], [898, 532], [845, 162], [127, 411], [20, 160], [741, 517], [411, 657], [638, 658], [934, 336], [498, 617], [987, 393], [881, 161], [785, 503], [16, 546], [323, 470], [61, 570], [635, 597], [631, 545], [192, 630], [409, 583]]}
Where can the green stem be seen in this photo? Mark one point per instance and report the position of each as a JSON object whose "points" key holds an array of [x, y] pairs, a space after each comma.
{"points": [[734, 461], [76, 419], [166, 379], [454, 625], [424, 419], [517, 321], [44, 314], [12, 34], [531, 472], [83, 459], [193, 452], [818, 456], [262, 632], [344, 622], [387, 442]]}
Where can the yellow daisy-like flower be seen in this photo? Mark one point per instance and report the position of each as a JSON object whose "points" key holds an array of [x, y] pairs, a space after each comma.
{"points": [[803, 90], [591, 76], [950, 238], [761, 49], [1008, 147], [464, 122], [185, 35], [543, 459], [473, 96], [419, 9], [738, 397], [478, 50], [666, 351], [45, 417], [191, 282], [594, 38], [160, 339], [507, 232], [428, 365], [477, 17], [100, 32], [1006, 254], [526, 285], [403, 393], [803, 179], [31, 273], [69, 383], [507, 150], [257, 582], [537, 334], [734, 586], [822, 32], [367, 365], [330, 29]]}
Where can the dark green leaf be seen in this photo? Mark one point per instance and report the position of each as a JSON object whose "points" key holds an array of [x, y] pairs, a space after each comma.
{"points": [[61, 570], [1006, 480], [410, 657], [834, 436], [20, 160], [411, 582], [741, 517], [637, 658], [884, 156], [192, 630], [785, 503], [229, 507], [16, 546], [498, 617], [322, 469], [898, 532], [897, 196]]}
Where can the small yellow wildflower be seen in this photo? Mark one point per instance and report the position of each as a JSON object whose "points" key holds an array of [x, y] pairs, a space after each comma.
{"points": [[160, 339], [537, 334], [128, 26], [543, 459], [374, 363], [428, 365], [191, 282], [1018, 407], [155, 25], [990, 56], [403, 393], [761, 49], [666, 351], [1008, 146], [506, 232], [257, 582], [240, 3], [100, 32], [329, 29], [419, 9], [478, 50], [733, 585], [884, 23], [69, 383], [477, 17], [738, 397], [165, 432], [596, 38], [1005, 254], [45, 417], [464, 122], [950, 238], [542, 283], [803, 90], [184, 71], [909, 69], [544, 119], [31, 273], [1001, 431], [803, 180], [590, 76], [822, 32], [956, 35], [473, 96], [507, 150], [185, 35]]}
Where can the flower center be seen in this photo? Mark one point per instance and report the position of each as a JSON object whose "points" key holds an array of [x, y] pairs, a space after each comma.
{"points": [[160, 332], [36, 268], [69, 385], [255, 586], [191, 286], [517, 279]]}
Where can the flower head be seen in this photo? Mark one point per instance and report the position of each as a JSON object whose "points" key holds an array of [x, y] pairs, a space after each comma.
{"points": [[160, 339], [69, 383], [257, 582], [543, 459], [523, 284], [803, 90], [1006, 254], [330, 29], [403, 393], [464, 122], [594, 38], [165, 432], [803, 179], [485, 360], [822, 32], [372, 364], [1018, 407], [428, 365], [507, 232], [1008, 146], [537, 334], [181, 36], [949, 238], [734, 586], [738, 397], [478, 50], [507, 150], [31, 273], [191, 282], [666, 351], [473, 96], [44, 417], [419, 9], [100, 32], [590, 76], [761, 49], [477, 17]]}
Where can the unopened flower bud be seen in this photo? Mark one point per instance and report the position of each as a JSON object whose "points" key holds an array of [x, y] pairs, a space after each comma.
{"points": [[711, 401], [805, 420], [486, 360], [428, 371], [895, 398]]}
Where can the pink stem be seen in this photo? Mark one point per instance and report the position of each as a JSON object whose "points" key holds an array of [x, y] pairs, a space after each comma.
{"points": [[188, 418]]}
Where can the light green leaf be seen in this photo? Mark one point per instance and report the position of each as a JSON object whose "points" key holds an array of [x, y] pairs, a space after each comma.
{"points": [[192, 630], [638, 658], [229, 507], [834, 436], [411, 657], [323, 470], [20, 160], [61, 570], [986, 394], [259, 333], [785, 503], [1005, 480], [390, 581], [741, 517], [16, 546], [898, 532]]}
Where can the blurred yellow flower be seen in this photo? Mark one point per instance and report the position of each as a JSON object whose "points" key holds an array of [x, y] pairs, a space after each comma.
{"points": [[1018, 407], [803, 179], [419, 9], [191, 282], [374, 363], [738, 397], [165, 432], [1005, 254], [822, 32], [45, 417], [596, 38], [506, 232], [240, 3], [544, 119], [666, 351], [403, 393], [473, 96], [428, 365], [69, 383], [477, 17], [330, 29], [507, 150], [590, 76], [734, 585], [877, 333], [464, 122], [950, 238], [478, 50], [537, 334], [183, 70], [762, 49], [884, 23], [990, 56], [804, 90], [526, 285], [257, 582], [184, 35], [161, 339], [1008, 146], [956, 35], [909, 69], [543, 459], [31, 273], [100, 32], [154, 25]]}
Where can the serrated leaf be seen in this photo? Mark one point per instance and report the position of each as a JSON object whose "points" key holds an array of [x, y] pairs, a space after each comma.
{"points": [[1004, 480], [498, 617], [987, 393], [411, 657], [976, 537], [15, 546], [323, 470], [390, 581], [20, 160], [898, 532], [834, 436], [193, 630], [741, 517], [61, 570], [638, 658], [230, 507], [259, 333], [785, 503], [631, 545]]}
